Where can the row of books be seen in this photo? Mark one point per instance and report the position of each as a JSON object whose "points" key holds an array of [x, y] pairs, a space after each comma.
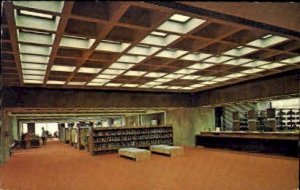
{"points": [[131, 132], [116, 145], [136, 137]]}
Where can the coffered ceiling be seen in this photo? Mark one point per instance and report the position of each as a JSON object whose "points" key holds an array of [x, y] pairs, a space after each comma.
{"points": [[134, 46]]}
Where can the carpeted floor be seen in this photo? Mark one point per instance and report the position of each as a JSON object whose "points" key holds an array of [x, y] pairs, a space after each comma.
{"points": [[59, 166]]}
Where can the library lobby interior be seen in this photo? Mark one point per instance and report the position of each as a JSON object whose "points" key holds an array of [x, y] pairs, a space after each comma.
{"points": [[122, 95]]}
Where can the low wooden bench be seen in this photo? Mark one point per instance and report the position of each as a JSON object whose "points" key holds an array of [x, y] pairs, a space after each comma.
{"points": [[173, 151], [135, 153]]}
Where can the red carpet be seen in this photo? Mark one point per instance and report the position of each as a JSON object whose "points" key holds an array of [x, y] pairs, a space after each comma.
{"points": [[59, 166]]}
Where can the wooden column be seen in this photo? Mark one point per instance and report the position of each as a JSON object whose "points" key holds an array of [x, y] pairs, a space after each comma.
{"points": [[236, 121], [252, 120], [271, 119]]}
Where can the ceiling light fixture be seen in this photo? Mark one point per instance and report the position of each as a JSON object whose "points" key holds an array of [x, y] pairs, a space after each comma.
{"points": [[35, 14]]}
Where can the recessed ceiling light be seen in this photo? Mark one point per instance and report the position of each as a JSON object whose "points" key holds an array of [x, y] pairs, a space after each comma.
{"points": [[180, 27], [102, 76], [34, 49], [154, 74], [33, 77], [267, 36], [145, 86], [221, 79], [161, 87], [205, 78], [174, 87], [162, 34], [251, 71], [123, 66], [76, 37], [41, 15], [267, 41], [179, 18], [134, 73], [33, 72], [218, 59], [168, 53], [44, 39], [237, 61], [163, 80], [113, 84], [34, 66], [55, 82], [112, 46], [34, 31], [235, 75], [209, 82], [195, 56], [140, 50], [173, 76], [197, 85], [152, 83], [256, 63], [96, 80], [187, 88], [88, 70], [158, 40], [291, 60], [131, 58], [77, 42], [113, 71], [95, 84], [76, 83], [34, 58], [186, 71], [200, 66], [33, 81], [130, 85], [272, 66], [190, 77], [62, 68], [240, 51]]}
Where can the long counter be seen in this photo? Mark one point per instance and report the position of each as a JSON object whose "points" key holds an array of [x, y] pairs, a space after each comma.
{"points": [[280, 143]]}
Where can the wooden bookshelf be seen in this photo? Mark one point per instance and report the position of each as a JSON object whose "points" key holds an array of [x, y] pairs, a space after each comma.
{"points": [[113, 138]]}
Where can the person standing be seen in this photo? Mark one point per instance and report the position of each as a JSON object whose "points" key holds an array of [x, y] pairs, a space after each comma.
{"points": [[44, 136]]}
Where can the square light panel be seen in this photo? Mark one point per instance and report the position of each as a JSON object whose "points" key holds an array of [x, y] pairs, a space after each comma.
{"points": [[238, 61], [239, 51], [55, 82], [154, 74], [186, 71], [218, 59], [171, 53], [267, 41], [123, 66], [113, 71], [88, 70], [34, 66], [131, 58], [175, 24], [112, 46], [143, 50], [62, 68], [200, 66], [134, 73]]}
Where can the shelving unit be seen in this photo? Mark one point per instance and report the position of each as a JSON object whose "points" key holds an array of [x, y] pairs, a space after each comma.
{"points": [[107, 139], [288, 119]]}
